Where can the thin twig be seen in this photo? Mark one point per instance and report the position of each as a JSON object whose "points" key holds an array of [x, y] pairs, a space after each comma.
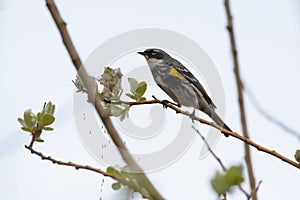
{"points": [[256, 189], [218, 159], [34, 135], [89, 168], [269, 117], [209, 149], [32, 141], [224, 196], [88, 84], [240, 97], [132, 103]]}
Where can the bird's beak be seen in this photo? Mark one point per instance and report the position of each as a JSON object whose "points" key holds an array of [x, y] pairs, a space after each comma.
{"points": [[142, 53]]}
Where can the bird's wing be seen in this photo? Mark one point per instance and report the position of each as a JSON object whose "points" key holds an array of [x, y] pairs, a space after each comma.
{"points": [[192, 79]]}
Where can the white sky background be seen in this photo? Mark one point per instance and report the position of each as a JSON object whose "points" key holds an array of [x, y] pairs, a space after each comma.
{"points": [[36, 68]]}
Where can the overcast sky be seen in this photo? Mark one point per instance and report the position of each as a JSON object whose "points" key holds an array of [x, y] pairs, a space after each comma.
{"points": [[36, 68]]}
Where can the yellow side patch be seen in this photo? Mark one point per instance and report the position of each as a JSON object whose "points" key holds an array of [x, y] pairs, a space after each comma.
{"points": [[173, 72]]}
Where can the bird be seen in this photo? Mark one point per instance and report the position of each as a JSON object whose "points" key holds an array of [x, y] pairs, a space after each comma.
{"points": [[180, 84]]}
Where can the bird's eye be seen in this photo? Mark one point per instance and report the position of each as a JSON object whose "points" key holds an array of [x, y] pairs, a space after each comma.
{"points": [[153, 53]]}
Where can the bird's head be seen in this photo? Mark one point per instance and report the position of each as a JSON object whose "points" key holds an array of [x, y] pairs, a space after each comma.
{"points": [[154, 54]]}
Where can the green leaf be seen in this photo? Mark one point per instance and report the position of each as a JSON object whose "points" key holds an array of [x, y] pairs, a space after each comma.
{"points": [[130, 95], [113, 171], [219, 184], [21, 121], [47, 128], [47, 119], [143, 99], [223, 183], [49, 108], [133, 84], [140, 89], [52, 108], [297, 156], [78, 84], [29, 118], [39, 117], [26, 129], [116, 186], [116, 110], [234, 176], [38, 139]]}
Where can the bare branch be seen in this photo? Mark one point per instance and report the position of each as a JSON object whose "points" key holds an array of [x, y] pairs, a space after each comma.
{"points": [[87, 81], [212, 124], [219, 160], [209, 149], [240, 96], [256, 189], [89, 168]]}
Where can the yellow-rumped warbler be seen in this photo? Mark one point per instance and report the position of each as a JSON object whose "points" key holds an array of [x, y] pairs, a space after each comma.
{"points": [[179, 83]]}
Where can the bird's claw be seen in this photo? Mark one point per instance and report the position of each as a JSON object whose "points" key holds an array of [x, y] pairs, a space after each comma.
{"points": [[193, 116], [165, 103]]}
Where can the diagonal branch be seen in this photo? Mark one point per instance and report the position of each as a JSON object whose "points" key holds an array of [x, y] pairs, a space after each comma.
{"points": [[218, 159], [212, 124], [89, 168], [240, 98], [268, 116], [88, 84]]}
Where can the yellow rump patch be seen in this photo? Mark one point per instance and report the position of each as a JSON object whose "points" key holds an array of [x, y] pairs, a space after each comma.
{"points": [[173, 72]]}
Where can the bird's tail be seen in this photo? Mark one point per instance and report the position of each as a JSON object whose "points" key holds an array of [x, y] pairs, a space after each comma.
{"points": [[220, 122]]}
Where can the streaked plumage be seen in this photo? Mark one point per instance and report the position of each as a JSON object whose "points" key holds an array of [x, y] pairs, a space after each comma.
{"points": [[179, 83]]}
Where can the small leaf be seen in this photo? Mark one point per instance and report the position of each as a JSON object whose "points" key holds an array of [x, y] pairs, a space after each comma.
{"points": [[78, 85], [38, 139], [219, 184], [29, 118], [297, 156], [234, 176], [39, 117], [21, 121], [116, 186], [47, 128], [47, 120], [113, 171], [143, 99], [116, 110], [130, 95], [223, 183], [140, 89], [49, 108], [26, 129], [133, 84]]}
